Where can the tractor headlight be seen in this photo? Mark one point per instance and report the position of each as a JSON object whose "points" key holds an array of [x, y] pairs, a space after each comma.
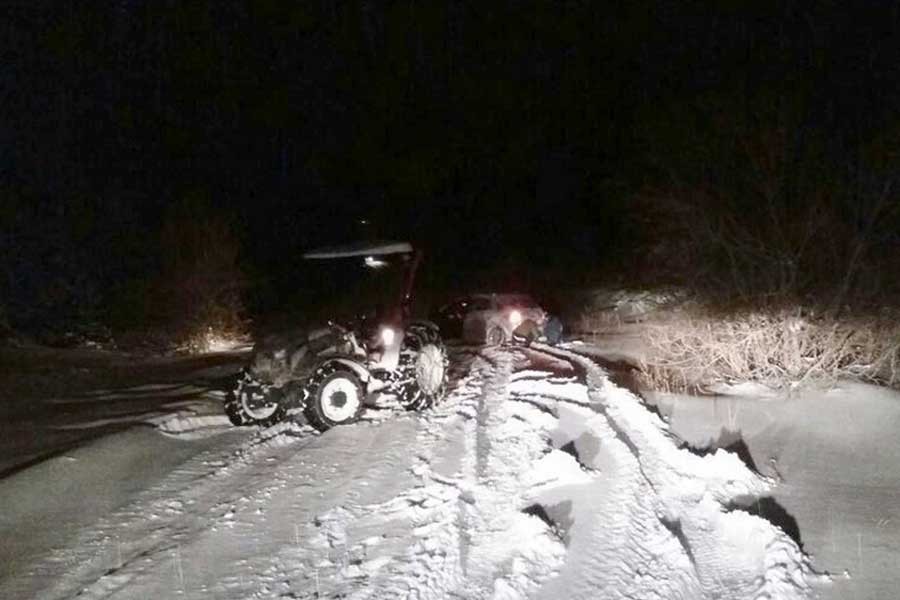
{"points": [[515, 318], [374, 263], [387, 336]]}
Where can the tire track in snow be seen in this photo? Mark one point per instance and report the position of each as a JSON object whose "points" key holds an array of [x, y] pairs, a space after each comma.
{"points": [[474, 541], [512, 551], [201, 494], [210, 493], [494, 391], [438, 506], [654, 519]]}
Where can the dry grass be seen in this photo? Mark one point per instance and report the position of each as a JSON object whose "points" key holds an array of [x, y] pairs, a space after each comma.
{"points": [[791, 289], [780, 348]]}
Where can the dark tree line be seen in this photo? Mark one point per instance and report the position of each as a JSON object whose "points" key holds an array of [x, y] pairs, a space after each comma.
{"points": [[483, 122]]}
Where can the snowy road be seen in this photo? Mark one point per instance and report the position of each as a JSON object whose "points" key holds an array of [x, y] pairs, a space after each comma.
{"points": [[537, 477]]}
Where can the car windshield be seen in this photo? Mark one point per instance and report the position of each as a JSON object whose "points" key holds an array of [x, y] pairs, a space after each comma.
{"points": [[479, 303]]}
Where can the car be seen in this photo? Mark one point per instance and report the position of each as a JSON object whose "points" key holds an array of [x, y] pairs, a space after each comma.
{"points": [[330, 370], [497, 318]]}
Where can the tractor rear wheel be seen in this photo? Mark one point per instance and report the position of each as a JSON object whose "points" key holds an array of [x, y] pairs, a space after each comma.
{"points": [[334, 397]]}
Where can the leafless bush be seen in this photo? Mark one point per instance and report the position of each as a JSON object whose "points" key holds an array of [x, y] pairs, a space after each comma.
{"points": [[790, 249], [202, 280], [793, 292], [750, 204], [733, 249], [777, 347]]}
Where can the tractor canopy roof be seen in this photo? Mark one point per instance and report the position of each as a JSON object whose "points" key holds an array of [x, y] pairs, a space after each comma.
{"points": [[360, 279], [379, 248]]}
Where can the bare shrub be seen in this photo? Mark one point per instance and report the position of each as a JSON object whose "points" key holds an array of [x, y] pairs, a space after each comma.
{"points": [[751, 204], [840, 248], [777, 347], [791, 251], [202, 280]]}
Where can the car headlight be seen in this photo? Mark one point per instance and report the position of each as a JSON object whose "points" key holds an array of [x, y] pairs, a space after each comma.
{"points": [[515, 318]]}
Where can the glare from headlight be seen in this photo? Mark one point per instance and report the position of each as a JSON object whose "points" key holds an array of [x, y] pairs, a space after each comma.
{"points": [[515, 318], [387, 336], [374, 263]]}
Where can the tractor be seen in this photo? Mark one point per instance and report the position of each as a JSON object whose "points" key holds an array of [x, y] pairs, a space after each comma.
{"points": [[331, 371]]}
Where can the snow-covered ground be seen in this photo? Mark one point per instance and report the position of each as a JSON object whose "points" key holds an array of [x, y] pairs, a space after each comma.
{"points": [[537, 477], [54, 400], [836, 454]]}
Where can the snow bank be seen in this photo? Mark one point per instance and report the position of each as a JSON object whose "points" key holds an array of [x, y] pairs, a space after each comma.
{"points": [[658, 522]]}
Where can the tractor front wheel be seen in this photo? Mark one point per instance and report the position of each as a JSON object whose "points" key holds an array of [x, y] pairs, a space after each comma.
{"points": [[423, 367], [252, 402]]}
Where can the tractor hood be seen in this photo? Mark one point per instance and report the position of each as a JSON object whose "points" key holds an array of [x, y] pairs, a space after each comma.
{"points": [[271, 356], [280, 358]]}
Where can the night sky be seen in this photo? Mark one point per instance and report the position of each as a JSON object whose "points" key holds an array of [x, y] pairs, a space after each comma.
{"points": [[491, 133]]}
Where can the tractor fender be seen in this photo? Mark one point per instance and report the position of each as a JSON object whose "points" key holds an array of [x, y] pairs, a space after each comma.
{"points": [[423, 324], [361, 371]]}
